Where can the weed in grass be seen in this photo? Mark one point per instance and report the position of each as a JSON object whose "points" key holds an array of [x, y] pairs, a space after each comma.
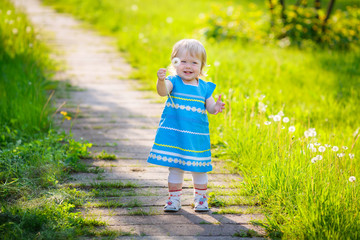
{"points": [[106, 156]]}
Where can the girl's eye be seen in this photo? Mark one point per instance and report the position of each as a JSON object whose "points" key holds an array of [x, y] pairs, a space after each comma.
{"points": [[195, 63], [183, 61]]}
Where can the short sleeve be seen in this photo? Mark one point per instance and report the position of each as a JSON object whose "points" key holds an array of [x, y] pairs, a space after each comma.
{"points": [[171, 79], [210, 89]]}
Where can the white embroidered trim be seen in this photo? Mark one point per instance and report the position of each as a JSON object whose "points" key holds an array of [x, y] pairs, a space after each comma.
{"points": [[187, 108], [179, 161], [174, 129], [181, 156]]}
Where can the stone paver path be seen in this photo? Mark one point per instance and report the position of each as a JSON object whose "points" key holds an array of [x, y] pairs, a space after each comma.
{"points": [[122, 121]]}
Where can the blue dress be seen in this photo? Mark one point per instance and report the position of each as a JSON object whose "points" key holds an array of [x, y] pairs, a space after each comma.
{"points": [[182, 139]]}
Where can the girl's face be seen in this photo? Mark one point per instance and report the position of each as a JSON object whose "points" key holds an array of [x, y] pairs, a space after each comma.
{"points": [[189, 67]]}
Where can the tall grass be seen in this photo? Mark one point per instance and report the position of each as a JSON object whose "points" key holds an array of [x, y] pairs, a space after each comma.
{"points": [[23, 80], [314, 88]]}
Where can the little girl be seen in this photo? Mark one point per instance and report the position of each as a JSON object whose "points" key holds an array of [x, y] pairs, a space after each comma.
{"points": [[182, 141]]}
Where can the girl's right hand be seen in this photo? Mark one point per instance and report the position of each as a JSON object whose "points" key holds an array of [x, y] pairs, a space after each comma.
{"points": [[161, 74]]}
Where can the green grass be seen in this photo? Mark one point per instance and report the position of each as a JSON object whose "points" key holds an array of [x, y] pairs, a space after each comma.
{"points": [[315, 88]]}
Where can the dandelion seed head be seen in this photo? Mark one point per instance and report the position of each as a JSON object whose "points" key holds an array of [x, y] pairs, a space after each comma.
{"points": [[313, 160], [317, 144], [202, 15], [271, 116], [176, 61], [311, 145], [261, 97], [283, 127], [345, 147], [352, 179], [281, 114], [217, 63], [277, 118], [286, 119], [267, 123], [292, 129], [169, 20], [313, 149], [319, 157], [340, 154], [335, 148], [322, 149], [134, 7], [15, 31], [307, 134], [327, 145], [351, 155]]}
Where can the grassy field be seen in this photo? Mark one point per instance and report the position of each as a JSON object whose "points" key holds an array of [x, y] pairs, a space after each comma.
{"points": [[34, 158], [299, 169]]}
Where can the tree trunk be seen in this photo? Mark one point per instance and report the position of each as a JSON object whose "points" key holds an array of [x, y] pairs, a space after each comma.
{"points": [[330, 7], [283, 16]]}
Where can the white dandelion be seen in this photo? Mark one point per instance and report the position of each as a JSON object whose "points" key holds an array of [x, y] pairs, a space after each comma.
{"points": [[292, 129], [317, 144], [340, 154], [262, 107], [283, 127], [134, 7], [176, 61], [267, 123], [335, 148], [345, 147], [261, 97], [313, 160], [277, 118], [281, 114], [286, 119], [313, 149], [327, 145], [271, 116], [319, 157], [15, 31], [352, 179], [351, 155], [310, 145], [217, 63], [169, 20], [322, 149]]}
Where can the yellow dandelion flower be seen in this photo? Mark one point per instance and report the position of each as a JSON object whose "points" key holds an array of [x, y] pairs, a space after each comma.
{"points": [[68, 118], [63, 113]]}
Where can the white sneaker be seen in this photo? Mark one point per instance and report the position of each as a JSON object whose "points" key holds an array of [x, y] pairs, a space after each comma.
{"points": [[172, 204], [201, 204]]}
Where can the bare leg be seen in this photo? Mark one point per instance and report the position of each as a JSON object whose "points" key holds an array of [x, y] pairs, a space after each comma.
{"points": [[174, 187]]}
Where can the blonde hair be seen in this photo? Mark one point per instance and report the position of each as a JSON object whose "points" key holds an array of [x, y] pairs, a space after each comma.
{"points": [[194, 48]]}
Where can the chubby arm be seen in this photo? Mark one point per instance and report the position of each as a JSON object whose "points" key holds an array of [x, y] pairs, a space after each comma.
{"points": [[160, 85], [214, 107]]}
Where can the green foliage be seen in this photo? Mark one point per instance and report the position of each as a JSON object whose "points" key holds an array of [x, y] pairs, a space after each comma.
{"points": [[301, 26], [24, 70], [106, 156]]}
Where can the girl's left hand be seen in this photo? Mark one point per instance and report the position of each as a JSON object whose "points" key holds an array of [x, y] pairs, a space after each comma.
{"points": [[219, 106]]}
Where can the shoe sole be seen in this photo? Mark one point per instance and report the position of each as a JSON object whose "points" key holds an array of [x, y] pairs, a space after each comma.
{"points": [[172, 210]]}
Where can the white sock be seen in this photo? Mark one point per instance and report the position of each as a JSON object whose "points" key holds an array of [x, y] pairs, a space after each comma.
{"points": [[199, 192], [176, 194]]}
